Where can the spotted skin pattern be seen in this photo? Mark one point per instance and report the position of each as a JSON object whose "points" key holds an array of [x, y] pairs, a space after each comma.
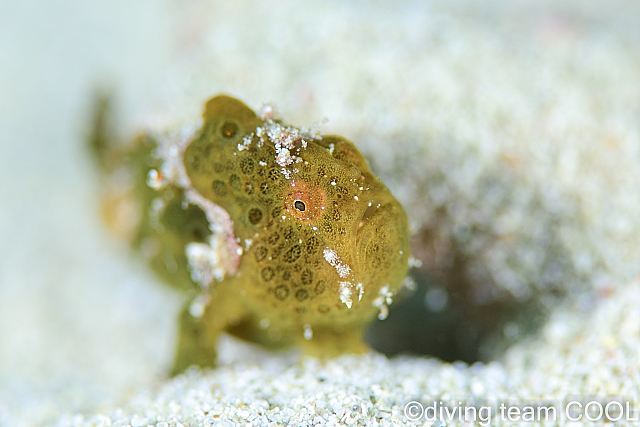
{"points": [[322, 240]]}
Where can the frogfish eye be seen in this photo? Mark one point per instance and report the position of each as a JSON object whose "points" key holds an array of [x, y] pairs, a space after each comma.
{"points": [[305, 202]]}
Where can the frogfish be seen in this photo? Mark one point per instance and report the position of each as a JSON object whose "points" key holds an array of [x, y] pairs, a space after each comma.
{"points": [[276, 234]]}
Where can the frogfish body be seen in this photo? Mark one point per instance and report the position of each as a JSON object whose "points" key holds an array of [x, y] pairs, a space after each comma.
{"points": [[278, 235]]}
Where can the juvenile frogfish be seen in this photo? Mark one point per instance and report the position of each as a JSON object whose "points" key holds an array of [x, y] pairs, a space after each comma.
{"points": [[278, 235]]}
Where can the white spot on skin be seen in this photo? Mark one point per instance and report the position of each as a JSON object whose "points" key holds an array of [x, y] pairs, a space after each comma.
{"points": [[204, 262], [360, 288], [287, 141], [199, 305], [267, 111], [284, 140], [382, 302], [345, 293], [332, 258], [246, 142], [308, 333], [155, 180], [264, 323], [284, 157], [414, 262], [409, 284], [286, 173]]}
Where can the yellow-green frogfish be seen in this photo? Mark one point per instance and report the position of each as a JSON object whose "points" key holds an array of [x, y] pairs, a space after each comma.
{"points": [[277, 235]]}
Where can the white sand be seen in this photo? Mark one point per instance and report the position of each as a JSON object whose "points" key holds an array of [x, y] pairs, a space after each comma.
{"points": [[372, 390], [541, 100]]}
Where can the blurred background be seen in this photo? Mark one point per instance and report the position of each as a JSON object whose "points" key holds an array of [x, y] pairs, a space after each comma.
{"points": [[509, 130]]}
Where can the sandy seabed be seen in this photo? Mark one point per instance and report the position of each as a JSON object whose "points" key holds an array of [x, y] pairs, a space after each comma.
{"points": [[512, 128]]}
